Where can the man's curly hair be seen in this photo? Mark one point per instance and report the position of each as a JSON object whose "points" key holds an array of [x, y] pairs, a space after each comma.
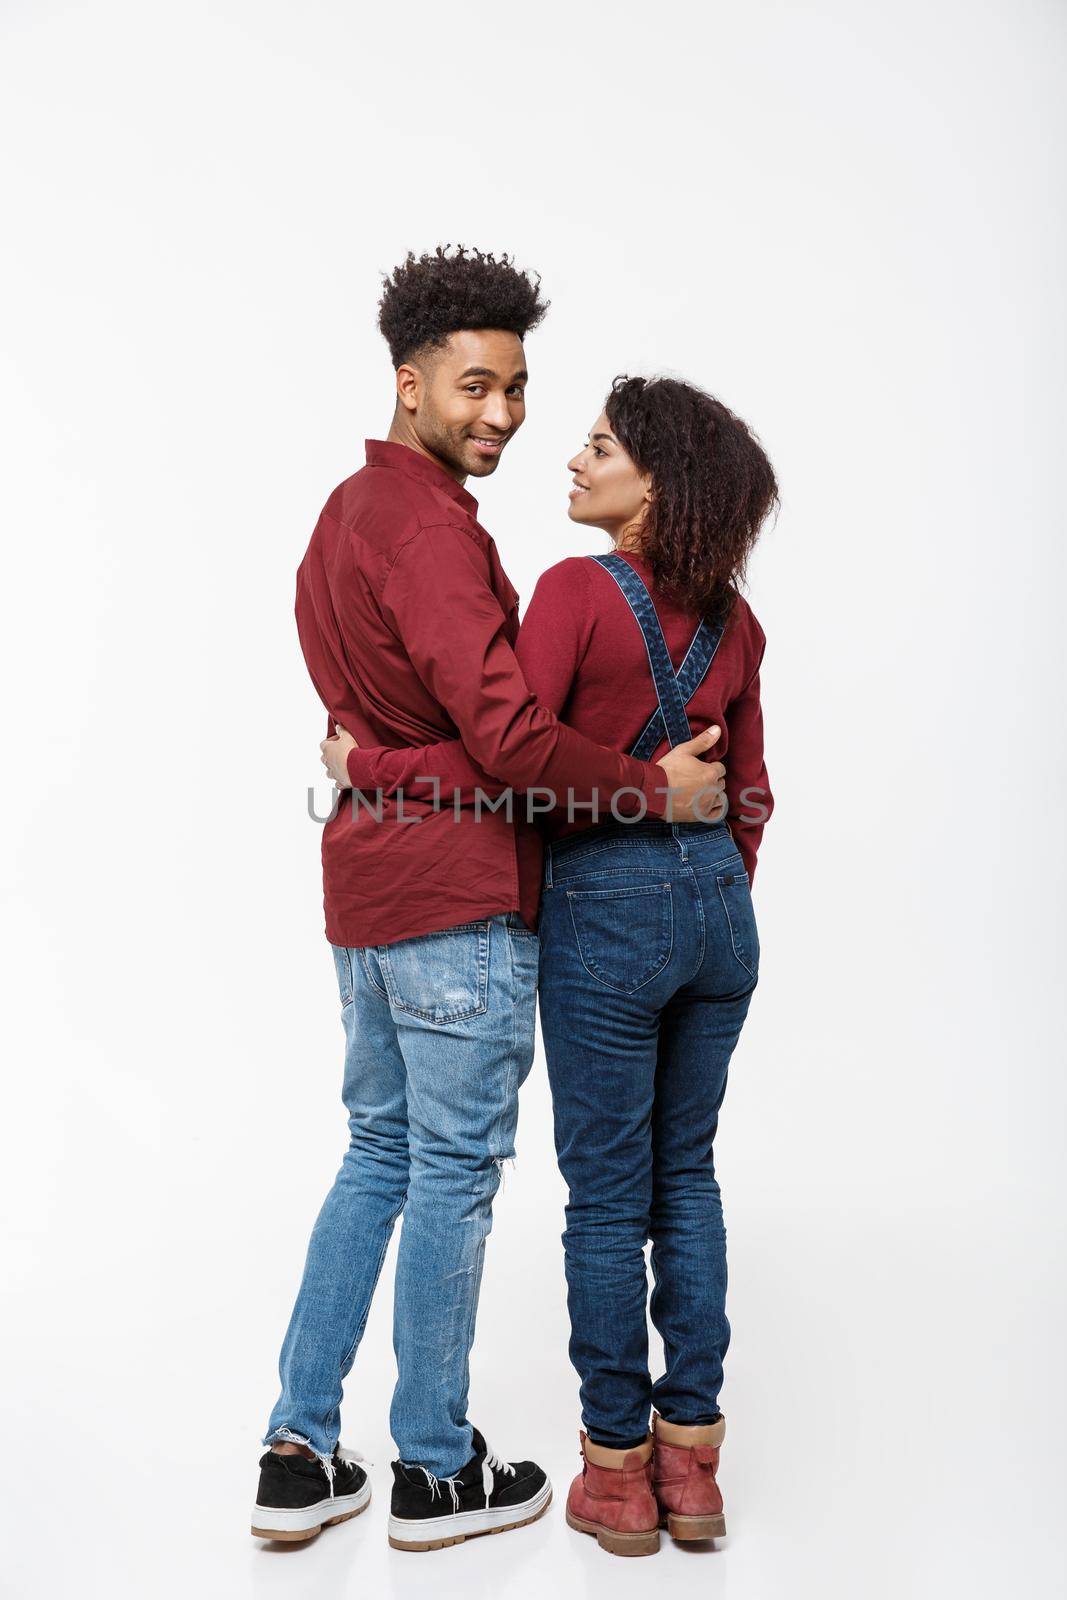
{"points": [[429, 297], [712, 487]]}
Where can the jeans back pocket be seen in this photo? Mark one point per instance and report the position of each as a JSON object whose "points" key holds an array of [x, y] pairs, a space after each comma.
{"points": [[440, 977], [625, 936]]}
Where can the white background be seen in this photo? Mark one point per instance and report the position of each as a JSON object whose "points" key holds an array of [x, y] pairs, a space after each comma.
{"points": [[845, 220]]}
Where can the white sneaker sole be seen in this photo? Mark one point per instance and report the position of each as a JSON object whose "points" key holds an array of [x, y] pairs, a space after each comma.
{"points": [[304, 1522], [433, 1533]]}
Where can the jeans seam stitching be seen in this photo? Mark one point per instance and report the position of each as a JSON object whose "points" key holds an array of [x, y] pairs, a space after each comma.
{"points": [[733, 937], [366, 968], [349, 1355], [615, 872], [725, 865], [703, 928]]}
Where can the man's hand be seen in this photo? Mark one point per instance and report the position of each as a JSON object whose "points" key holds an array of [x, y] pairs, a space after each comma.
{"points": [[697, 790], [335, 755]]}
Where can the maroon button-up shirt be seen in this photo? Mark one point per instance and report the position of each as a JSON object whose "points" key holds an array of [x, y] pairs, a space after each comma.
{"points": [[407, 622]]}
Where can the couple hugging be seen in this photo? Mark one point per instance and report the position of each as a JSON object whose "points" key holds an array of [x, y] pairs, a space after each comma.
{"points": [[527, 811]]}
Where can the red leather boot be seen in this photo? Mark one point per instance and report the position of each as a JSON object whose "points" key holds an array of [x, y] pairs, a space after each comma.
{"points": [[683, 1476], [612, 1498]]}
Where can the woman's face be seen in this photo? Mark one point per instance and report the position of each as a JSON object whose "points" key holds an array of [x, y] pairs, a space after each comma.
{"points": [[608, 491]]}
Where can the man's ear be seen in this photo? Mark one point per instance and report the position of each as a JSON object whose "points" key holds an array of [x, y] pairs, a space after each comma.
{"points": [[408, 386]]}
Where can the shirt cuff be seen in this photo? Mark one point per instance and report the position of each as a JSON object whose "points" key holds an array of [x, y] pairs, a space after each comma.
{"points": [[360, 769], [653, 785]]}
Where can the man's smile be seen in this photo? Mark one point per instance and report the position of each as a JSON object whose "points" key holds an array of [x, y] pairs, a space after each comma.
{"points": [[490, 447]]}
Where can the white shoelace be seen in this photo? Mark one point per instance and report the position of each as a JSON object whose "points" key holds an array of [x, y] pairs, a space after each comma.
{"points": [[490, 1465], [343, 1454], [435, 1487]]}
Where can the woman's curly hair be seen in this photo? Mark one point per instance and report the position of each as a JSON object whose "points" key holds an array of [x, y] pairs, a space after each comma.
{"points": [[429, 297], [712, 487]]}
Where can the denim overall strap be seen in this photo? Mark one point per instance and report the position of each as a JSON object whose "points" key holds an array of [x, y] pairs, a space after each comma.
{"points": [[673, 690]]}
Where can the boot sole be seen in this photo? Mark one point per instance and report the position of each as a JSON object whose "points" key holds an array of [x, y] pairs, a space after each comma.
{"points": [[617, 1544], [685, 1529], [294, 1533], [533, 1511]]}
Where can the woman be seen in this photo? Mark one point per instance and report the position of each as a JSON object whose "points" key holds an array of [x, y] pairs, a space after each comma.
{"points": [[649, 950]]}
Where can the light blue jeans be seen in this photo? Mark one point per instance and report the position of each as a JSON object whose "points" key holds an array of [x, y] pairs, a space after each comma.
{"points": [[439, 1035]]}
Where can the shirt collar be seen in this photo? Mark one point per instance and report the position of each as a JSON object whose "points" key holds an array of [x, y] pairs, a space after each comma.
{"points": [[385, 453]]}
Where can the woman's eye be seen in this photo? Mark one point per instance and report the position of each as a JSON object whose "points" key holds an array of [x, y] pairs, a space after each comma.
{"points": [[597, 450]]}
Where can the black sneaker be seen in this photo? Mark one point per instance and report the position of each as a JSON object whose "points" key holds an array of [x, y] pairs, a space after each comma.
{"points": [[299, 1497], [487, 1496]]}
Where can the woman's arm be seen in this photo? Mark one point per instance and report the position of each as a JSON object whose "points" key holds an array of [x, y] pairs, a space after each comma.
{"points": [[748, 789]]}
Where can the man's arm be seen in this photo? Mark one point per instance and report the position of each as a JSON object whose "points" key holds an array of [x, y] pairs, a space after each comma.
{"points": [[442, 771], [549, 652], [439, 599]]}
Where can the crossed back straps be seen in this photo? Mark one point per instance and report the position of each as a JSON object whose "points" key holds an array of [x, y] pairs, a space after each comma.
{"points": [[674, 690]]}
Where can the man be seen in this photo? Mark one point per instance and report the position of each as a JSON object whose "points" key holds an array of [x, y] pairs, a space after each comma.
{"points": [[407, 622]]}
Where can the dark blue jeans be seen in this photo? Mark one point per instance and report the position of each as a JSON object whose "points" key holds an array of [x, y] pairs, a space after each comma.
{"points": [[649, 956]]}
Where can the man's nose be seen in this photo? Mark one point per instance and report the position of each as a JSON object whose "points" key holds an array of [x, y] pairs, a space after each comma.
{"points": [[495, 412]]}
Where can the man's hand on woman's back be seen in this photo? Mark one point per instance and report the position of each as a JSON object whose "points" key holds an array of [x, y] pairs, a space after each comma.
{"points": [[696, 788]]}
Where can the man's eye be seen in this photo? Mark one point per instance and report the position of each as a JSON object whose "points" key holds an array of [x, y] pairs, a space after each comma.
{"points": [[475, 388], [517, 390]]}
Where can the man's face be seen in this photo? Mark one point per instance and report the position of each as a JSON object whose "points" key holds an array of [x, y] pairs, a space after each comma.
{"points": [[466, 399]]}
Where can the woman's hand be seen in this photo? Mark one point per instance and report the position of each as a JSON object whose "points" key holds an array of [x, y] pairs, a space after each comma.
{"points": [[335, 755]]}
